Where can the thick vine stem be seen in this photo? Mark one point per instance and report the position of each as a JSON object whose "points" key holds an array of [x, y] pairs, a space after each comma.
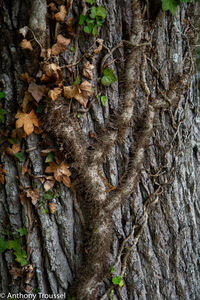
{"points": [[117, 128], [120, 195]]}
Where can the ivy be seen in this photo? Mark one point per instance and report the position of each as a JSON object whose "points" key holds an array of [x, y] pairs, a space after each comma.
{"points": [[94, 19], [172, 5], [20, 156], [15, 245], [117, 281], [108, 77], [2, 113]]}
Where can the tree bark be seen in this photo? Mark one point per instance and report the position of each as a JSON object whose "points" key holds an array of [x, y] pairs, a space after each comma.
{"points": [[133, 206]]}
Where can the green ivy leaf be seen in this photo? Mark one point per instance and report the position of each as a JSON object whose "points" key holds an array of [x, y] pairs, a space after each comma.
{"points": [[93, 12], [20, 156], [88, 28], [95, 30], [22, 231], [3, 245], [78, 80], [2, 95], [48, 196], [170, 5], [90, 1], [50, 157], [108, 77], [101, 12], [21, 257], [117, 281], [12, 141], [2, 113], [45, 211], [82, 19], [103, 100]]}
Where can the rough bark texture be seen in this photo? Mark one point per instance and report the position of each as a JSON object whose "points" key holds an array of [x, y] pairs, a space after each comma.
{"points": [[147, 227]]}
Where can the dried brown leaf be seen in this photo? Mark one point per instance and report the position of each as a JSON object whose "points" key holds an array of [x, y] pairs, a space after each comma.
{"points": [[88, 70], [25, 77], [53, 73], [37, 91], [61, 45], [61, 172], [53, 7], [26, 45], [2, 174], [60, 16], [33, 194], [28, 121], [70, 30], [48, 184], [53, 94], [45, 53], [22, 198], [52, 207], [86, 90], [99, 48]]}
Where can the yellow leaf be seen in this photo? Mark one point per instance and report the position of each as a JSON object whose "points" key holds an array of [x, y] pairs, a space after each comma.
{"points": [[28, 121]]}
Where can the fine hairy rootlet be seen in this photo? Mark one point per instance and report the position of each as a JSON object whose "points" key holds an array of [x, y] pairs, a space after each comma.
{"points": [[96, 204]]}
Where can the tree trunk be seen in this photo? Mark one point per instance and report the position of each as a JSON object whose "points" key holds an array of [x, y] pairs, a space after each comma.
{"points": [[128, 225]]}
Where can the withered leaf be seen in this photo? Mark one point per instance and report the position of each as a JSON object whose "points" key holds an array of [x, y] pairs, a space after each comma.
{"points": [[53, 7], [61, 172], [33, 194], [52, 207], [26, 45], [70, 27], [79, 92], [28, 121], [60, 16], [88, 70], [45, 53], [53, 94], [49, 183], [2, 174], [12, 151], [86, 89], [61, 45], [25, 77], [37, 91], [99, 48], [53, 73]]}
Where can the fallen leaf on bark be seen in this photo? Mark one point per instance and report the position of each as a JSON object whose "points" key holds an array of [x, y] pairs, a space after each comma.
{"points": [[88, 70], [61, 45], [79, 92], [52, 207], [28, 121], [53, 94], [49, 183], [61, 172], [86, 89], [26, 100], [37, 91], [45, 53], [2, 174], [26, 45], [60, 16], [33, 194], [99, 48], [70, 27], [25, 77], [53, 7], [52, 73], [13, 150]]}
